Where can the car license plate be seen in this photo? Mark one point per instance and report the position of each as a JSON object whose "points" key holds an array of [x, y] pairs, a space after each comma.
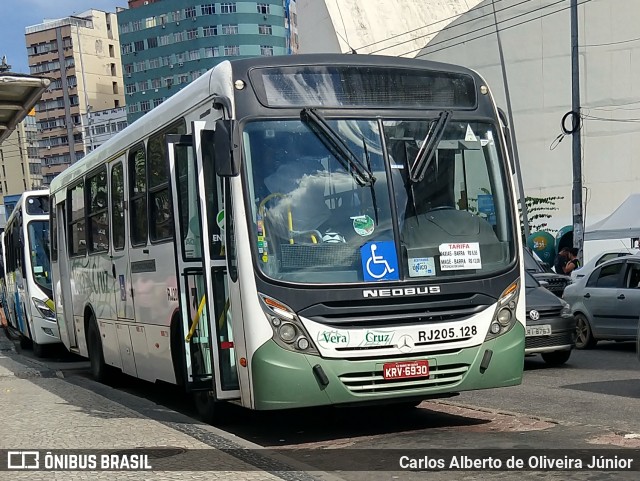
{"points": [[544, 330], [405, 369]]}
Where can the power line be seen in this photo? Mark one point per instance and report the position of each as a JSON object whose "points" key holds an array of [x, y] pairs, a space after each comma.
{"points": [[490, 33], [477, 7], [459, 24], [492, 25], [610, 43]]}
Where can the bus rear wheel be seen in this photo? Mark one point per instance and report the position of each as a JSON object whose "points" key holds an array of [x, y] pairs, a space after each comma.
{"points": [[99, 369]]}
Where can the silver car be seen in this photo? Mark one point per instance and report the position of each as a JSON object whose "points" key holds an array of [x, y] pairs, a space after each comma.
{"points": [[606, 302]]}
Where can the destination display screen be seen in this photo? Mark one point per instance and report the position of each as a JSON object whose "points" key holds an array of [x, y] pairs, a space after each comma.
{"points": [[368, 87]]}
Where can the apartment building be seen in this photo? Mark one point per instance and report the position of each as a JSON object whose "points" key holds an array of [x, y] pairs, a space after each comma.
{"points": [[20, 167], [81, 55], [167, 44]]}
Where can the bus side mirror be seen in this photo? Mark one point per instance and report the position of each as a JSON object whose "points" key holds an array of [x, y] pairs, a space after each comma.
{"points": [[507, 135], [226, 158]]}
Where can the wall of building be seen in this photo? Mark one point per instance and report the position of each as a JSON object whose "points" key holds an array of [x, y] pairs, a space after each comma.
{"points": [[538, 65], [102, 125], [82, 56], [168, 44], [15, 173], [384, 27]]}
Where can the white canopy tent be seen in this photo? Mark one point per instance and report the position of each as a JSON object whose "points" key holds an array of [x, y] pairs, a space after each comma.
{"points": [[623, 223]]}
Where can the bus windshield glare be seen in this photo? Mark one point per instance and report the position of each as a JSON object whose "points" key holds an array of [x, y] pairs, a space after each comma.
{"points": [[314, 221]]}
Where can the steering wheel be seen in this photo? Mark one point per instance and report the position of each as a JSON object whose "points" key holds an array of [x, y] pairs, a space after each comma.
{"points": [[442, 207]]}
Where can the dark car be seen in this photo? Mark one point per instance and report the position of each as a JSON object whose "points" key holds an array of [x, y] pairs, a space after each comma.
{"points": [[554, 282], [551, 327]]}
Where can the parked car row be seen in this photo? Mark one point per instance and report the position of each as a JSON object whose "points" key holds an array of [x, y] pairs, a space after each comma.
{"points": [[600, 301], [605, 301]]}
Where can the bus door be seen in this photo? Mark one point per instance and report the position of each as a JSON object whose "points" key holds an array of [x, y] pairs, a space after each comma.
{"points": [[64, 303], [120, 267], [203, 291]]}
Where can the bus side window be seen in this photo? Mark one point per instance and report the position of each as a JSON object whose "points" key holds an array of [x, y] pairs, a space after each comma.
{"points": [[76, 228], [138, 196]]}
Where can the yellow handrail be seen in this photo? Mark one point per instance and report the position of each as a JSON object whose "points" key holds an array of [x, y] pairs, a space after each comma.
{"points": [[196, 319]]}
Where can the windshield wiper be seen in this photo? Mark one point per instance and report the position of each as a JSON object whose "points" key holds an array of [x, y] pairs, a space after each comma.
{"points": [[373, 179], [337, 147], [423, 158]]}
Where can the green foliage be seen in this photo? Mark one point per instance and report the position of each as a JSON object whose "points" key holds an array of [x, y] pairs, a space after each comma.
{"points": [[539, 212]]}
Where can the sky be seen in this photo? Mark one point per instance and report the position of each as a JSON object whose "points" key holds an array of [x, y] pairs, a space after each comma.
{"points": [[18, 14]]}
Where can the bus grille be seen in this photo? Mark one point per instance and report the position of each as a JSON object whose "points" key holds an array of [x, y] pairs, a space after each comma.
{"points": [[374, 382]]}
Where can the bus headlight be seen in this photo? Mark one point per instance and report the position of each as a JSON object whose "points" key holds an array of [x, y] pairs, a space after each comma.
{"points": [[504, 317], [288, 331], [44, 309]]}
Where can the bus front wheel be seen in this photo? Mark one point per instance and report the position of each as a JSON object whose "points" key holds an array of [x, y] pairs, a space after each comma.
{"points": [[209, 410], [99, 369]]}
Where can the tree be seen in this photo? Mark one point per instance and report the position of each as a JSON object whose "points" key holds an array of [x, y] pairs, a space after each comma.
{"points": [[539, 211]]}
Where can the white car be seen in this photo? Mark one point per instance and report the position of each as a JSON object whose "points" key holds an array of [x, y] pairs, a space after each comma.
{"points": [[599, 259]]}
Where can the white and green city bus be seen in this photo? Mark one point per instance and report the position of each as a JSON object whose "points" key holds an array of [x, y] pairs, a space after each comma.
{"points": [[28, 295], [299, 231]]}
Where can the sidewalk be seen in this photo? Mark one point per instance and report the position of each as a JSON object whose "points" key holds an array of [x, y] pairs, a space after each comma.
{"points": [[43, 411]]}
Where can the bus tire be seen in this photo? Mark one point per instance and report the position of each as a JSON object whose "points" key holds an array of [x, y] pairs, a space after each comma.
{"points": [[99, 369], [209, 410], [38, 349], [25, 342]]}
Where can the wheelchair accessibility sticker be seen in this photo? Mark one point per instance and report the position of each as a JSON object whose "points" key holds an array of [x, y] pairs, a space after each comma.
{"points": [[379, 261]]}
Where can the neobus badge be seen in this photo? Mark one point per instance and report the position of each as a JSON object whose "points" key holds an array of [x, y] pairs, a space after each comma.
{"points": [[406, 291]]}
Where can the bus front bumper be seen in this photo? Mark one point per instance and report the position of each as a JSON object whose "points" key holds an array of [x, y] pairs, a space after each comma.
{"points": [[284, 379]]}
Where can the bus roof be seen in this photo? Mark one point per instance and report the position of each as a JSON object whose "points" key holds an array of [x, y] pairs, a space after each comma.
{"points": [[200, 89]]}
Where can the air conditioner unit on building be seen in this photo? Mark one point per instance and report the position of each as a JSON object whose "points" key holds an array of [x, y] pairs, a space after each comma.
{"points": [[128, 75], [180, 64], [171, 66]]}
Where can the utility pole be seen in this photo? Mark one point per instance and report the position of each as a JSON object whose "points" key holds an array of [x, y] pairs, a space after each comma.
{"points": [[512, 129], [578, 228]]}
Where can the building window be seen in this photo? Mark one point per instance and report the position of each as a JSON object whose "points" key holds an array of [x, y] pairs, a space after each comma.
{"points": [[145, 105], [263, 8], [139, 45], [264, 29], [194, 54], [133, 108], [229, 29], [165, 39], [131, 88], [128, 68], [210, 31], [231, 51], [154, 62], [208, 9], [192, 34], [190, 12], [178, 37], [152, 42], [156, 83], [266, 50], [211, 52], [157, 102], [227, 8], [126, 48]]}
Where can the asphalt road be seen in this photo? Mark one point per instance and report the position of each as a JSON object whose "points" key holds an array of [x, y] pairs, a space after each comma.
{"points": [[591, 402]]}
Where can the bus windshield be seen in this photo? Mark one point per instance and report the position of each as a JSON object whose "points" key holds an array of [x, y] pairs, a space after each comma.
{"points": [[314, 222], [39, 251]]}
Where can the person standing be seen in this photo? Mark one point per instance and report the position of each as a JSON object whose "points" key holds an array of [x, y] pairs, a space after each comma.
{"points": [[561, 260], [573, 263]]}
